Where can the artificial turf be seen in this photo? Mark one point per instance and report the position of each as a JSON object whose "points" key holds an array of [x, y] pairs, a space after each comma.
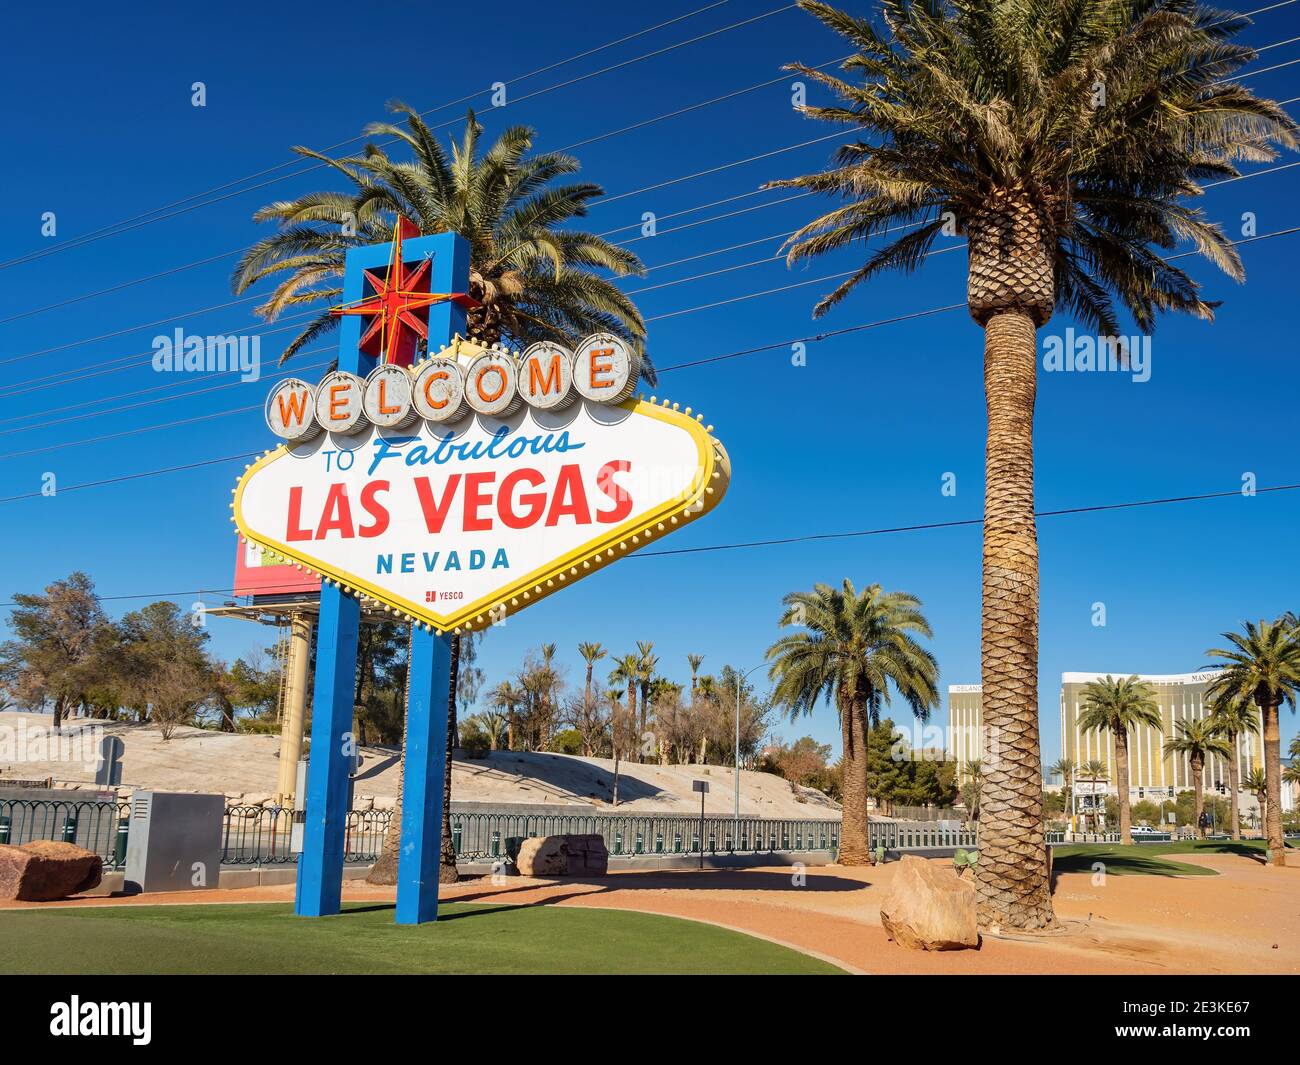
{"points": [[467, 939], [1148, 859]]}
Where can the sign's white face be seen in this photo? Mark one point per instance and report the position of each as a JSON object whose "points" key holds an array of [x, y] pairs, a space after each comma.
{"points": [[455, 524]]}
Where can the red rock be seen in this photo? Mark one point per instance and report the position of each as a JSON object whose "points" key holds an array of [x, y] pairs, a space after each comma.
{"points": [[44, 870]]}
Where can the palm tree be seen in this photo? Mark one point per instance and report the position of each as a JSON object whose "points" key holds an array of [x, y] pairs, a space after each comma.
{"points": [[1060, 140], [853, 647], [626, 671], [1198, 739], [1093, 771], [533, 277], [695, 661], [973, 787], [1116, 706], [648, 660], [505, 696], [1256, 782], [591, 654], [1063, 768], [1263, 664], [1231, 718]]}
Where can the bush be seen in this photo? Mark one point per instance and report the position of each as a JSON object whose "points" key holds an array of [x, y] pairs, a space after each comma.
{"points": [[568, 741], [474, 742]]}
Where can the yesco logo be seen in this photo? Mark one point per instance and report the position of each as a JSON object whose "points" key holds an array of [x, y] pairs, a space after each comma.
{"points": [[77, 1018], [458, 381]]}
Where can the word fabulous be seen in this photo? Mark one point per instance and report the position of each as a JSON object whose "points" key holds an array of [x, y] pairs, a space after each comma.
{"points": [[446, 387]]}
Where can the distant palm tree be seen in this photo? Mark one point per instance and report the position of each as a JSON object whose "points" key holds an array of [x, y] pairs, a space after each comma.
{"points": [[591, 654], [1233, 717], [1117, 706], [1064, 768], [505, 696], [533, 275], [1256, 782], [1093, 771], [627, 670], [973, 787], [854, 646], [1198, 739], [1061, 140], [644, 678], [1263, 664], [695, 661]]}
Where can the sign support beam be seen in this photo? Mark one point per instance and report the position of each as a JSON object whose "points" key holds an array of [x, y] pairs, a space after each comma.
{"points": [[320, 866], [426, 753]]}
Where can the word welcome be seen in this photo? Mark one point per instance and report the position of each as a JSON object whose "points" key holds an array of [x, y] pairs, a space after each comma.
{"points": [[453, 384]]}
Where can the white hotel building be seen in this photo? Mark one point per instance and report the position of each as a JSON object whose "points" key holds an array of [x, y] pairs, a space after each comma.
{"points": [[1178, 697]]}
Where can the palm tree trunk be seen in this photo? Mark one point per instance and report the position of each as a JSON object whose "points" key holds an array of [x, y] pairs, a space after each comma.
{"points": [[447, 854], [1198, 788], [855, 833], [1011, 882], [384, 871], [1121, 784], [1273, 783], [1234, 769]]}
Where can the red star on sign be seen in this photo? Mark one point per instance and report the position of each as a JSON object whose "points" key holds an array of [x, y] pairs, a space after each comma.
{"points": [[399, 309]]}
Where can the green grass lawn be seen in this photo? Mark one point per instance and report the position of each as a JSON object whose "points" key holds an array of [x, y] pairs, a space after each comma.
{"points": [[268, 938], [1148, 859]]}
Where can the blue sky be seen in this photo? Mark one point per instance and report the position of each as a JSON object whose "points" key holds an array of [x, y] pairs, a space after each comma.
{"points": [[101, 128]]}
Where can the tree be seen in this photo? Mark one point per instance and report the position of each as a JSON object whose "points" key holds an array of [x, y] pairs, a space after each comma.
{"points": [[1063, 768], [505, 696], [1093, 771], [973, 788], [1256, 782], [533, 275], [803, 762], [1117, 706], [163, 665], [1263, 664], [647, 661], [591, 654], [1231, 718], [1060, 140], [623, 720], [1198, 739], [56, 656], [852, 648]]}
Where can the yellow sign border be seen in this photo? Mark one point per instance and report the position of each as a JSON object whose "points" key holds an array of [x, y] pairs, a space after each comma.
{"points": [[713, 475]]}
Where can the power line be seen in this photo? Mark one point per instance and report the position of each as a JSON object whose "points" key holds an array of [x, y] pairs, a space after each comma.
{"points": [[807, 537], [142, 220], [810, 537], [690, 310]]}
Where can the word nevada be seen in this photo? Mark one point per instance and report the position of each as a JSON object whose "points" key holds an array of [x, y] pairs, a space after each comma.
{"points": [[461, 379]]}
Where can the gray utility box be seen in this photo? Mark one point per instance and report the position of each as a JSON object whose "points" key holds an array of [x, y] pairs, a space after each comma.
{"points": [[174, 843]]}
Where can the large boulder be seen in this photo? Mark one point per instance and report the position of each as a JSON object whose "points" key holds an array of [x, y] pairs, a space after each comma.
{"points": [[928, 907], [563, 856], [44, 870]]}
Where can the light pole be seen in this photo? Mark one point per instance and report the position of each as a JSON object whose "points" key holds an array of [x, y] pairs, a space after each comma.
{"points": [[740, 683]]}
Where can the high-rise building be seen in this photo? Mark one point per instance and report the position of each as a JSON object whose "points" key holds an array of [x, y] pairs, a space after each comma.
{"points": [[1179, 697]]}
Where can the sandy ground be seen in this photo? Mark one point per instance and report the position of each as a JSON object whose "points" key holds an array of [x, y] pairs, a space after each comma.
{"points": [[1246, 920], [245, 765]]}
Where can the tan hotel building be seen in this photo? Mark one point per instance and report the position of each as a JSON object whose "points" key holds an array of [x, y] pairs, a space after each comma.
{"points": [[1178, 696]]}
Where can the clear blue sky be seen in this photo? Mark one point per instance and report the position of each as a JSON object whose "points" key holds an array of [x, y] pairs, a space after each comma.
{"points": [[99, 127]]}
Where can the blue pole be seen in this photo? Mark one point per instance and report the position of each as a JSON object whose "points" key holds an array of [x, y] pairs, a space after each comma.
{"points": [[320, 866], [426, 753]]}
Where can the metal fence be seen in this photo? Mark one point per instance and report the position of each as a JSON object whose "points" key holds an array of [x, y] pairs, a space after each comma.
{"points": [[96, 825], [260, 835], [263, 835], [489, 835]]}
